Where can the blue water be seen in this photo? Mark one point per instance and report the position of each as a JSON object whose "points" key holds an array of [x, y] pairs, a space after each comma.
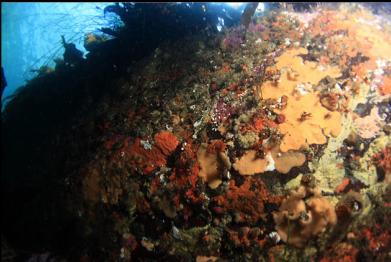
{"points": [[31, 33]]}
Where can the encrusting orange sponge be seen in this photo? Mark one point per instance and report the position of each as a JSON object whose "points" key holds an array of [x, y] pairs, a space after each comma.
{"points": [[298, 219], [306, 120]]}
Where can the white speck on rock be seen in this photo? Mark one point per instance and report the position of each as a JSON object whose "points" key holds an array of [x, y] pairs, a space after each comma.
{"points": [[146, 144], [198, 123], [271, 164], [176, 233], [275, 237]]}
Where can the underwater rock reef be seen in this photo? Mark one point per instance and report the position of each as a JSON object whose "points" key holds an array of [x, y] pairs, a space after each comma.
{"points": [[270, 143]]}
